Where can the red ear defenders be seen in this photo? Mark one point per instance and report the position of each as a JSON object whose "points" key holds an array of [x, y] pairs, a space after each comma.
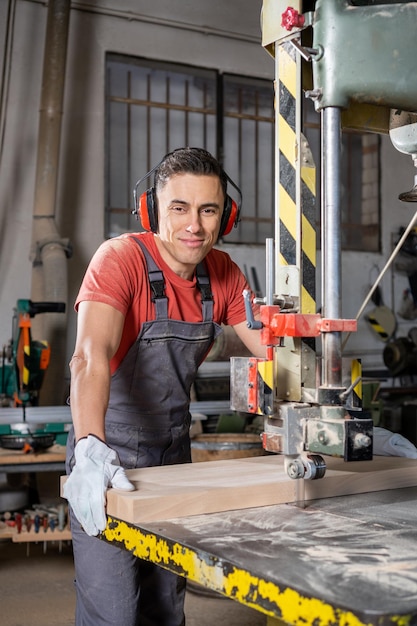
{"points": [[147, 211]]}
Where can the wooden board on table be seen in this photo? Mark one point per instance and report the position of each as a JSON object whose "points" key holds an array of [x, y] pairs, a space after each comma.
{"points": [[209, 487]]}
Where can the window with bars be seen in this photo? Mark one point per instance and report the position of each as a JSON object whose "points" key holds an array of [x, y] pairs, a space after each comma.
{"points": [[153, 108], [360, 184]]}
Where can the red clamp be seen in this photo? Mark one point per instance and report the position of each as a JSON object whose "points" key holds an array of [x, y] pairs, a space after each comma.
{"points": [[339, 325], [291, 18], [276, 325]]}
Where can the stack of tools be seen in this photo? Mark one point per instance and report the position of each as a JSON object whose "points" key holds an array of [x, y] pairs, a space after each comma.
{"points": [[41, 524]]}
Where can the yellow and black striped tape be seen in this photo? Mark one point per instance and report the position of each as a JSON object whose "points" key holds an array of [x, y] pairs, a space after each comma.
{"points": [[295, 223], [377, 327], [287, 153], [297, 183], [308, 232], [265, 387], [356, 374]]}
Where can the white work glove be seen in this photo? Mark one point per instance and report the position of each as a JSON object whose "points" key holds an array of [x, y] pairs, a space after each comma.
{"points": [[387, 443], [96, 468]]}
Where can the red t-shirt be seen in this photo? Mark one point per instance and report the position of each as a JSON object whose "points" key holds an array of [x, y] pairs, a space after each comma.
{"points": [[117, 276]]}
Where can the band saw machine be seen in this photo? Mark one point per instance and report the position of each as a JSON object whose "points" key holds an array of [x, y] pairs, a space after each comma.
{"points": [[358, 60]]}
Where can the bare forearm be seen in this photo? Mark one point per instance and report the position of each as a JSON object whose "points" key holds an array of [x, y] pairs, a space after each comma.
{"points": [[96, 344], [89, 396]]}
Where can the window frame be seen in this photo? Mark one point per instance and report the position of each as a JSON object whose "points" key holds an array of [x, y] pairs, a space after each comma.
{"points": [[256, 220]]}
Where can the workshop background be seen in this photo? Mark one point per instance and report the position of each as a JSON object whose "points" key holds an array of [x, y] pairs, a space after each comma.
{"points": [[224, 37], [92, 95]]}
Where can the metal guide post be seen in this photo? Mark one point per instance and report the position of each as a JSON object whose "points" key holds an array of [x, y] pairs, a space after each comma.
{"points": [[331, 245]]}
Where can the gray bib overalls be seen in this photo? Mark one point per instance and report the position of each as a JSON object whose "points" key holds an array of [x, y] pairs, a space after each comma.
{"points": [[147, 423]]}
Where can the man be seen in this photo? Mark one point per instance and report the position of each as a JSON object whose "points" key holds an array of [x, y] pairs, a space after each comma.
{"points": [[149, 309]]}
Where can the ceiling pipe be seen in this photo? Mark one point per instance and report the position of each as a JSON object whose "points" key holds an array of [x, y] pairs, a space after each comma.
{"points": [[49, 252]]}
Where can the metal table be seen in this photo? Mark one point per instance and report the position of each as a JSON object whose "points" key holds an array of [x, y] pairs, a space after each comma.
{"points": [[348, 560]]}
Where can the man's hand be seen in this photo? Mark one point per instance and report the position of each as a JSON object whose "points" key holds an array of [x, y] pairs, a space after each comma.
{"points": [[96, 469]]}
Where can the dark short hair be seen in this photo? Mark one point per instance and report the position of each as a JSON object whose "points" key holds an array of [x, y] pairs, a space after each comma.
{"points": [[189, 161]]}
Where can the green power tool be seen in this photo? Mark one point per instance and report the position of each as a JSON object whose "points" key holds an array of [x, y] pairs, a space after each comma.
{"points": [[24, 360]]}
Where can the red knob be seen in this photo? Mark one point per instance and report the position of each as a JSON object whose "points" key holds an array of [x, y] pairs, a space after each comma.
{"points": [[291, 18]]}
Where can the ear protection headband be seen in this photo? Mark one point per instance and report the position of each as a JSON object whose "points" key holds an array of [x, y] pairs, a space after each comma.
{"points": [[147, 211]]}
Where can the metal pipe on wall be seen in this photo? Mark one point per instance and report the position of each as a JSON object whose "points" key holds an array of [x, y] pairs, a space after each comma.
{"points": [[49, 251], [6, 69]]}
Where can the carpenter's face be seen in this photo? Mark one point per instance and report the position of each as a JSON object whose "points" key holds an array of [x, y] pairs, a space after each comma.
{"points": [[189, 213]]}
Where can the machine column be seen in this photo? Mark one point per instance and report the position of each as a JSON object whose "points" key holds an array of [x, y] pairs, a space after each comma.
{"points": [[331, 244]]}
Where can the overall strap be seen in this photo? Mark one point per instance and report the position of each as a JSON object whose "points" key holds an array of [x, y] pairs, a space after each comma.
{"points": [[157, 283], [203, 283]]}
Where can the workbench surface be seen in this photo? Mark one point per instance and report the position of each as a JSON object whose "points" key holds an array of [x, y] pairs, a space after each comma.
{"points": [[342, 560], [52, 459]]}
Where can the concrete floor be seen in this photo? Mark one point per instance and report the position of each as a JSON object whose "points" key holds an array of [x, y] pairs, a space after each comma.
{"points": [[37, 590]]}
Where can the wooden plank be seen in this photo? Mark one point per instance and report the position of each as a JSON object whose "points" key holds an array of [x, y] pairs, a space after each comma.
{"points": [[208, 487]]}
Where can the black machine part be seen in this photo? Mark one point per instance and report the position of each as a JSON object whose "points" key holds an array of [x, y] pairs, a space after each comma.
{"points": [[27, 441], [400, 355]]}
